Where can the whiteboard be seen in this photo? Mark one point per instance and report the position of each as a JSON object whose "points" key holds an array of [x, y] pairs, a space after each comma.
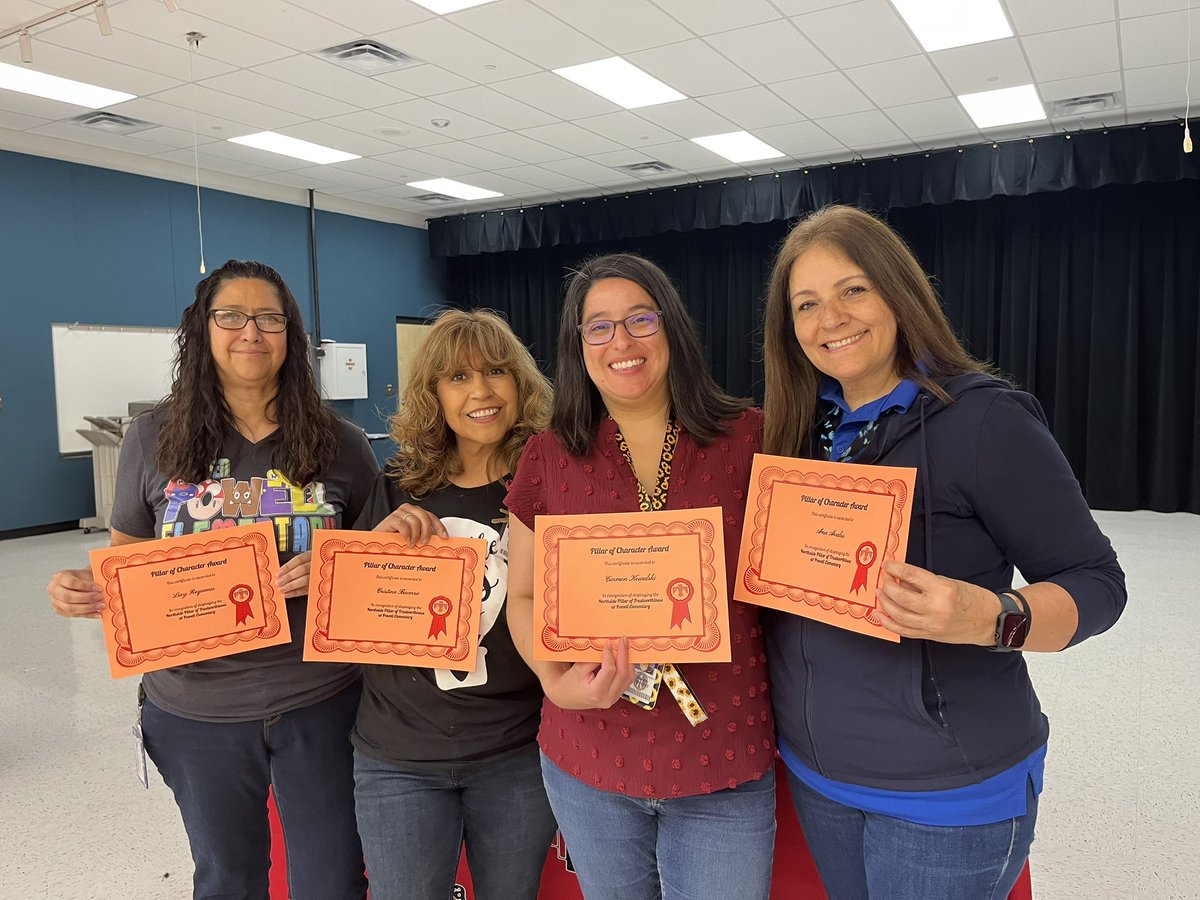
{"points": [[99, 369]]}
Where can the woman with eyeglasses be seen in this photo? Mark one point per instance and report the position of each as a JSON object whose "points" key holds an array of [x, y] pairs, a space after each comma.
{"points": [[243, 437], [654, 803]]}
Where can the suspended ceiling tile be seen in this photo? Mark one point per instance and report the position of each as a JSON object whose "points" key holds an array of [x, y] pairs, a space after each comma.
{"points": [[859, 34], [369, 17], [931, 117], [303, 182], [712, 16], [491, 106], [39, 107], [444, 44], [257, 116], [571, 138], [324, 77], [1156, 86], [1106, 83], [589, 171], [422, 113], [623, 26], [692, 67], [750, 108], [818, 96], [374, 124], [218, 163], [475, 157], [804, 141], [280, 20], [135, 50], [1132, 8], [377, 168], [773, 51], [248, 85], [208, 126], [1073, 52], [502, 182], [900, 81], [338, 138], [15, 121], [556, 95], [64, 62], [1157, 40], [688, 157], [801, 7], [531, 33], [519, 147], [342, 177], [543, 178], [82, 135], [863, 129], [223, 42], [983, 67], [628, 129], [425, 80], [1033, 16], [175, 137], [426, 164], [688, 119]]}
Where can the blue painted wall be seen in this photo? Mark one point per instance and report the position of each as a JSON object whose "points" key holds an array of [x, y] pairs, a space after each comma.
{"points": [[83, 244]]}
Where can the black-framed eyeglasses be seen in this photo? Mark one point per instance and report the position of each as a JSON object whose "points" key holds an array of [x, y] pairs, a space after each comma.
{"points": [[639, 325], [235, 320]]}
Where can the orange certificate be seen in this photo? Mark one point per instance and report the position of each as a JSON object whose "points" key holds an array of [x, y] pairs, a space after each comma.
{"points": [[374, 599], [182, 600], [816, 536], [657, 578]]}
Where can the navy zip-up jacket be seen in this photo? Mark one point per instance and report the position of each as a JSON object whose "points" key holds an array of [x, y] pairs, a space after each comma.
{"points": [[993, 491]]}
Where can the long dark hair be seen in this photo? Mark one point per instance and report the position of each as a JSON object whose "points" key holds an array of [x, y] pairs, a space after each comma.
{"points": [[197, 418], [923, 333], [428, 455], [696, 400]]}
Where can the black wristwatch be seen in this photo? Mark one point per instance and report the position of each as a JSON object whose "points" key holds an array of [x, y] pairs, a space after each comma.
{"points": [[1012, 625]]}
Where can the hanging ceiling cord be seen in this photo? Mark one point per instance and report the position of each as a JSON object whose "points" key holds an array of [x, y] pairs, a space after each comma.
{"points": [[193, 39]]}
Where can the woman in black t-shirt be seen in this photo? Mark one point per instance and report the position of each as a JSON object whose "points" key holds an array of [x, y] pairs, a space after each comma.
{"points": [[444, 758]]}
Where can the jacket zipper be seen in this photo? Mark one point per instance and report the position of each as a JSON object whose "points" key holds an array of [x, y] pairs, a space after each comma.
{"points": [[808, 696]]}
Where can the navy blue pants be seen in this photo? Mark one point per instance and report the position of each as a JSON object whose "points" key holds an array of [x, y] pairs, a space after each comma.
{"points": [[220, 774]]}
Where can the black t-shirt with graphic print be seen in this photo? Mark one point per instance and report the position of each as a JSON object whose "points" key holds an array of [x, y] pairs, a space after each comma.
{"points": [[243, 487], [414, 715]]}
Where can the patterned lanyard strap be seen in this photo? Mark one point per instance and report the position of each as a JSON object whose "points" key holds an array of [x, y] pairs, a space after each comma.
{"points": [[829, 424], [650, 676]]}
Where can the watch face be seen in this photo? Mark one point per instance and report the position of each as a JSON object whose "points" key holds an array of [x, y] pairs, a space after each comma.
{"points": [[1013, 630]]}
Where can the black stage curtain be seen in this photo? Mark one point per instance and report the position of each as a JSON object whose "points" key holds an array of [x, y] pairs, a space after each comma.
{"points": [[1137, 155], [1086, 298]]}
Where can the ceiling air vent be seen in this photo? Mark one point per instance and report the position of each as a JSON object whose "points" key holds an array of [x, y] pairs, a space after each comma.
{"points": [[1080, 106], [369, 57], [111, 122], [650, 167], [435, 198]]}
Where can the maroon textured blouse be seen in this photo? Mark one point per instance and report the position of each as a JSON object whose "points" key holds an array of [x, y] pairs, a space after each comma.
{"points": [[657, 753]]}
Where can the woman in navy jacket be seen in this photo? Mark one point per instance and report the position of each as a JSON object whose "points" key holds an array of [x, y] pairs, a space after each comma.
{"points": [[916, 767]]}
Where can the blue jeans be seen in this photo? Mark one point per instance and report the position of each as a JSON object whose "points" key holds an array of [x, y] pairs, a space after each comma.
{"points": [[220, 773], [414, 821], [716, 846], [862, 855]]}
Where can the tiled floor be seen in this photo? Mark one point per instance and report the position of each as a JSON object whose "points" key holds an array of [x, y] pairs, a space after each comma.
{"points": [[1120, 817]]}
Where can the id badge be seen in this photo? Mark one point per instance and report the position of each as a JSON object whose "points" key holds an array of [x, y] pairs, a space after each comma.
{"points": [[647, 679]]}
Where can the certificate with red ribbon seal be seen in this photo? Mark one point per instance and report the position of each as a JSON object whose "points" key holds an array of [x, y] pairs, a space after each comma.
{"points": [[185, 599], [374, 599], [656, 578], [816, 536]]}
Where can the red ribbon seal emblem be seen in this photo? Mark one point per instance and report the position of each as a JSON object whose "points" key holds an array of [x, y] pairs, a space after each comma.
{"points": [[439, 608], [679, 592], [240, 596], [865, 555]]}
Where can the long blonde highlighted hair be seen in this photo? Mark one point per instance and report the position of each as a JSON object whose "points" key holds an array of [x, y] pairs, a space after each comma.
{"points": [[428, 456]]}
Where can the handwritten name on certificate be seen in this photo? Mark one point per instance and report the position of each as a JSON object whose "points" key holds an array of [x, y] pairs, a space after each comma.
{"points": [[816, 536], [657, 578], [190, 598], [374, 599]]}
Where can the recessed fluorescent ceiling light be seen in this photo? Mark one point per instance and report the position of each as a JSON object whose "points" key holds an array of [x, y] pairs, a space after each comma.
{"points": [[939, 24], [27, 81], [1007, 106], [621, 82], [738, 146], [441, 7], [454, 189], [294, 147]]}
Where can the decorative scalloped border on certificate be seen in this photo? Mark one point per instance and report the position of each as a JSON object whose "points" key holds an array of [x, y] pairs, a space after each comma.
{"points": [[772, 475], [323, 643], [706, 642], [125, 654]]}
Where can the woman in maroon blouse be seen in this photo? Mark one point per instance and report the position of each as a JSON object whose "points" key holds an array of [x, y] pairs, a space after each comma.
{"points": [[653, 803]]}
